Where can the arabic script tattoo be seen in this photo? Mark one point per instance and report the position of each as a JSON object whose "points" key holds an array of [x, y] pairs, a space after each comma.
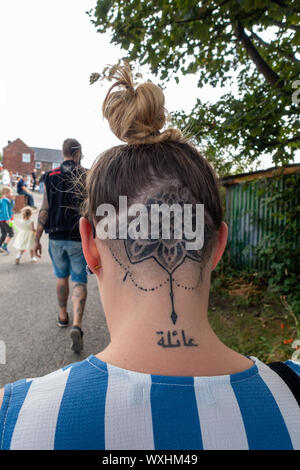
{"points": [[173, 341]]}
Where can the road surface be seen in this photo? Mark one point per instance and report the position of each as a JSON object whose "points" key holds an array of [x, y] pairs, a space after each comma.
{"points": [[34, 344]]}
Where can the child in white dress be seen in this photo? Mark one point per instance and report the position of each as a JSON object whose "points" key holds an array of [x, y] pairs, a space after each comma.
{"points": [[25, 236]]}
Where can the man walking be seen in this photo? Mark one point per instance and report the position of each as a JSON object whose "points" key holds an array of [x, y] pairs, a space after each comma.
{"points": [[33, 175], [59, 217]]}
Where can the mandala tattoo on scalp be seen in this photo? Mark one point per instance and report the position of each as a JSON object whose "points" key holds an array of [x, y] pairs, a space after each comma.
{"points": [[169, 254]]}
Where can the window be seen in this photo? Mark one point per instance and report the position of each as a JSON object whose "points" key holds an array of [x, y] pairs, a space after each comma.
{"points": [[55, 165], [26, 157], [38, 165]]}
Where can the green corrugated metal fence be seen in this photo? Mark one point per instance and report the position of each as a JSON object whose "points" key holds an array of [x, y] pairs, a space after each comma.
{"points": [[252, 214]]}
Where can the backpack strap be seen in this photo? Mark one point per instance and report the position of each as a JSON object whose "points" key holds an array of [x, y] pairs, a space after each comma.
{"points": [[289, 377]]}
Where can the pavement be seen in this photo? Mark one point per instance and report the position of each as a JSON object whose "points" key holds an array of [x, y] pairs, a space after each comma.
{"points": [[34, 344]]}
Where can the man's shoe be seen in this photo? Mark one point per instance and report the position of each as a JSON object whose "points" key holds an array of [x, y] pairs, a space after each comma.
{"points": [[76, 335], [63, 323]]}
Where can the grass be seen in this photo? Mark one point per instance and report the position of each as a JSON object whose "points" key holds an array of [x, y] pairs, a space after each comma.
{"points": [[252, 321]]}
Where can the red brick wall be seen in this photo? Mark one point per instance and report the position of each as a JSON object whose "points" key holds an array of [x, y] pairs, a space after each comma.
{"points": [[12, 157]]}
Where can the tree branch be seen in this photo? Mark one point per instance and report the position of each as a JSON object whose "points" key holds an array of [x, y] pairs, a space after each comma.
{"points": [[205, 14], [256, 58], [295, 27], [266, 44], [295, 138]]}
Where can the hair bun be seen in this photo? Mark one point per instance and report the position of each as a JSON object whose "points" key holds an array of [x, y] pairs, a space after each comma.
{"points": [[136, 115]]}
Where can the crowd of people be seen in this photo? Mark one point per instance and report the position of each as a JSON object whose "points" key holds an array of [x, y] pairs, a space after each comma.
{"points": [[31, 181], [23, 185], [165, 381]]}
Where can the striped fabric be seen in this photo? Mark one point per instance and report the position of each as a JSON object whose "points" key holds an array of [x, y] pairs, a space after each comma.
{"points": [[93, 405]]}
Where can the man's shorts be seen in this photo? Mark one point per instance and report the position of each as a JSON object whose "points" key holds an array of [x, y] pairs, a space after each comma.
{"points": [[68, 260]]}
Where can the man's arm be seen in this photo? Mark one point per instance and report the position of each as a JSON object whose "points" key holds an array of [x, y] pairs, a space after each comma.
{"points": [[24, 188], [42, 219]]}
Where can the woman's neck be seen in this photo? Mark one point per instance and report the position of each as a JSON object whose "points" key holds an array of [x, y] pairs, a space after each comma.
{"points": [[144, 339]]}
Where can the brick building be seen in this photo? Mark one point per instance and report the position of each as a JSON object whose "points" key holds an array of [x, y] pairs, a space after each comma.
{"points": [[21, 159]]}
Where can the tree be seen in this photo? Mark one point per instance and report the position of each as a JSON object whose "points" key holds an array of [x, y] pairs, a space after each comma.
{"points": [[249, 43]]}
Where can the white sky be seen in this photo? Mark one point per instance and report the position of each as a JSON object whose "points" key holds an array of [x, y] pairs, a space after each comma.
{"points": [[48, 49]]}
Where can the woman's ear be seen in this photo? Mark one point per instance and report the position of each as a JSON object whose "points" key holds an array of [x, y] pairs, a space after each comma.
{"points": [[89, 246], [220, 245]]}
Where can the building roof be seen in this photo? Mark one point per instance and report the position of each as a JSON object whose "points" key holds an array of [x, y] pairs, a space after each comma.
{"points": [[268, 173], [47, 155]]}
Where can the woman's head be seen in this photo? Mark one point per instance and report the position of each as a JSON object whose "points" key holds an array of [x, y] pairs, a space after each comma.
{"points": [[153, 167], [137, 114]]}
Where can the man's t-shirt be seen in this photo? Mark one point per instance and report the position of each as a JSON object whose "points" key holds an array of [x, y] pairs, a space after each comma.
{"points": [[20, 185]]}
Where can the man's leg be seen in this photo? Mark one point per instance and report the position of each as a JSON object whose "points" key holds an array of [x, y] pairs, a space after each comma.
{"points": [[62, 291], [61, 269], [79, 295], [30, 200]]}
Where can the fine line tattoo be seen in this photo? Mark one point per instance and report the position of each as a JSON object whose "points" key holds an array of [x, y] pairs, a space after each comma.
{"points": [[170, 254]]}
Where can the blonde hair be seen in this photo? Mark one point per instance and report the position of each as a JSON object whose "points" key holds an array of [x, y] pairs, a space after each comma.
{"points": [[136, 115], [26, 212], [6, 190]]}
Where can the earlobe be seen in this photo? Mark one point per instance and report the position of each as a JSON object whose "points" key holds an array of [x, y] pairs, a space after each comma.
{"points": [[89, 246]]}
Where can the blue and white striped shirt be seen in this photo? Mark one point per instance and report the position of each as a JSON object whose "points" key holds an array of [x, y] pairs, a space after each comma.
{"points": [[94, 405]]}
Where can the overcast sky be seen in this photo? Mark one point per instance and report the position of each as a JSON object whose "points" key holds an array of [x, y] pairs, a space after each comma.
{"points": [[48, 49]]}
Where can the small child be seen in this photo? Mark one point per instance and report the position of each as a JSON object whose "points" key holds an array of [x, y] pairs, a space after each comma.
{"points": [[25, 236], [6, 212]]}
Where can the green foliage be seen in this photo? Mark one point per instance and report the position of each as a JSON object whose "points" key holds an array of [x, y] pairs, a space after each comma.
{"points": [[258, 325], [281, 245], [275, 265], [249, 43]]}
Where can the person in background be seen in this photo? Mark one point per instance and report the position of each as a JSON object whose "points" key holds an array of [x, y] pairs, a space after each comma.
{"points": [[41, 182], [25, 236], [6, 213], [22, 189], [165, 381], [6, 180], [28, 181], [12, 179], [59, 217], [33, 176]]}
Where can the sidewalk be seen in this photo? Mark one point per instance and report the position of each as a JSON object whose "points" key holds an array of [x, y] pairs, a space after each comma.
{"points": [[35, 345]]}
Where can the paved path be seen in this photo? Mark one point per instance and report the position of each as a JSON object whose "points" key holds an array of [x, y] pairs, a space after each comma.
{"points": [[35, 345]]}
